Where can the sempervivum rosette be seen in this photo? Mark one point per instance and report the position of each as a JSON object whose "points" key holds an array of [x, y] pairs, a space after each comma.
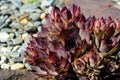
{"points": [[97, 51], [64, 24], [48, 53], [47, 58]]}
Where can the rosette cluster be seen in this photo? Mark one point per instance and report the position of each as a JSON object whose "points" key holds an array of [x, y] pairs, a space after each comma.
{"points": [[71, 44]]}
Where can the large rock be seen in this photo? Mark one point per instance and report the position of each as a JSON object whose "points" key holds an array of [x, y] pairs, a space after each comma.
{"points": [[17, 75], [98, 8]]}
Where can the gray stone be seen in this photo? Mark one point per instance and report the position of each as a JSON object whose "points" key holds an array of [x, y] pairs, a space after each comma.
{"points": [[17, 3], [4, 20], [8, 30], [43, 22], [14, 54], [37, 23], [28, 8], [29, 24], [17, 34], [9, 42], [45, 3], [21, 50], [4, 36], [17, 41], [30, 29], [16, 25], [35, 16], [37, 10], [48, 10]]}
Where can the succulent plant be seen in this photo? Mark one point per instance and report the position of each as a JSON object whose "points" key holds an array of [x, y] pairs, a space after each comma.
{"points": [[98, 48], [49, 52], [48, 58], [72, 45]]}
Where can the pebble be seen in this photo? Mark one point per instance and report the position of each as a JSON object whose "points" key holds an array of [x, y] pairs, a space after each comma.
{"points": [[30, 24], [11, 35], [28, 8], [16, 25], [37, 23], [4, 50], [39, 29], [17, 66], [34, 16], [3, 58], [4, 36], [24, 21], [27, 66], [22, 49], [48, 10], [12, 17], [46, 3], [17, 41], [43, 22], [18, 33], [3, 7], [14, 55], [16, 48], [42, 16], [11, 62], [17, 3], [5, 66], [8, 30], [26, 37]]}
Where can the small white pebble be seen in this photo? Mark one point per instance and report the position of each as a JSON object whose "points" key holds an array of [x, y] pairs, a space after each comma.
{"points": [[4, 36], [4, 50], [5, 66], [3, 58], [24, 35], [11, 62], [27, 66]]}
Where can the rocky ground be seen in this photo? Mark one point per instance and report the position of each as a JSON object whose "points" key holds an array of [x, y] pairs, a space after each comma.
{"points": [[18, 20], [21, 18]]}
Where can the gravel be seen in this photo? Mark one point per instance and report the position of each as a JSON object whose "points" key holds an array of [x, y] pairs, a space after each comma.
{"points": [[18, 20]]}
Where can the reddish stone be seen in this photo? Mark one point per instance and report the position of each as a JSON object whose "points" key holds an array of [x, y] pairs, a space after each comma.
{"points": [[97, 8]]}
